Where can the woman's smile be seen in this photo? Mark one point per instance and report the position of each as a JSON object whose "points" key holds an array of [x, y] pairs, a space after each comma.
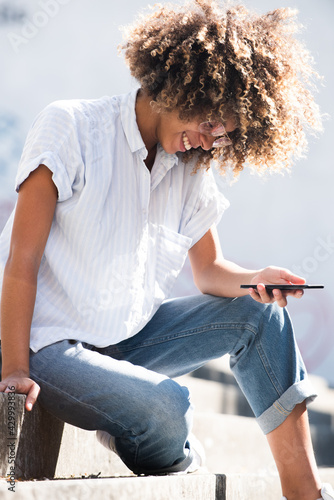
{"points": [[186, 141]]}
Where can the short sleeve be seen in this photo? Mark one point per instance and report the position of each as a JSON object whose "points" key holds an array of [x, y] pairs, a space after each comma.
{"points": [[206, 209], [53, 141]]}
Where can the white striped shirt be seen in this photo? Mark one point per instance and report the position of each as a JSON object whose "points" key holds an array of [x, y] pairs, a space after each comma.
{"points": [[120, 235]]}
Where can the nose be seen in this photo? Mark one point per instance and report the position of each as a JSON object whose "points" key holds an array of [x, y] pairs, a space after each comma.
{"points": [[206, 141]]}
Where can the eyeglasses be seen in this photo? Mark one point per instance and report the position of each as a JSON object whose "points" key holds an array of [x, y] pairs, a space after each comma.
{"points": [[215, 129]]}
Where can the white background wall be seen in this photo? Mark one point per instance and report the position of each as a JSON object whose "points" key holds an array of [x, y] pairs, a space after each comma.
{"points": [[59, 49]]}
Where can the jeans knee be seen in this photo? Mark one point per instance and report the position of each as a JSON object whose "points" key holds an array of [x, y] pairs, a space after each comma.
{"points": [[164, 432], [262, 316], [170, 413]]}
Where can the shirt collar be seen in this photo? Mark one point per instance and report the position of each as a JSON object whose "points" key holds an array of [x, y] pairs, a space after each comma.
{"points": [[164, 161], [129, 123]]}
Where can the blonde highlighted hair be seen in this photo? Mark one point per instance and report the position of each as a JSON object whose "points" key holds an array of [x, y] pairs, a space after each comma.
{"points": [[214, 61]]}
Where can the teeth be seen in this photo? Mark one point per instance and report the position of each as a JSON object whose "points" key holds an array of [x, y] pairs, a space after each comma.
{"points": [[186, 142]]}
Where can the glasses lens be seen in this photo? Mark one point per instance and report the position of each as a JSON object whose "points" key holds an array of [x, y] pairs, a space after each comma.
{"points": [[222, 141], [212, 128]]}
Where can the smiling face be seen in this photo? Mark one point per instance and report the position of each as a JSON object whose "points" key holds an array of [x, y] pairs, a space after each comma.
{"points": [[176, 135]]}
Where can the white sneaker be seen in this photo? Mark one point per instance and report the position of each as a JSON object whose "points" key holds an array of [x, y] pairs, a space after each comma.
{"points": [[198, 454], [327, 493], [197, 449], [106, 440]]}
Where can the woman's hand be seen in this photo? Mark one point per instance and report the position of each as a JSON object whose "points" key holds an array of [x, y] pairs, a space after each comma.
{"points": [[272, 276], [21, 385]]}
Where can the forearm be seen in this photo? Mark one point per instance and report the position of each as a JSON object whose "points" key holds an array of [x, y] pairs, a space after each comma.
{"points": [[223, 278], [216, 276], [17, 306]]}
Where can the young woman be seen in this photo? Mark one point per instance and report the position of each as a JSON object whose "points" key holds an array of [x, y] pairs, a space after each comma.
{"points": [[113, 194]]}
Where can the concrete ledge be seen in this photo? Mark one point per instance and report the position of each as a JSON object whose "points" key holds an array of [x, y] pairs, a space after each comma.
{"points": [[229, 442], [46, 448], [187, 487], [31, 439], [259, 486], [217, 399], [36, 445], [175, 487], [232, 401], [81, 455], [233, 444], [43, 447]]}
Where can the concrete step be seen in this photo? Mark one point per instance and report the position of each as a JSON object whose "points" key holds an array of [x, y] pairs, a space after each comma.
{"points": [[236, 444], [232, 401], [233, 444], [215, 396], [217, 399], [41, 446], [188, 487], [196, 486], [257, 486], [229, 442], [217, 392], [44, 447], [239, 464]]}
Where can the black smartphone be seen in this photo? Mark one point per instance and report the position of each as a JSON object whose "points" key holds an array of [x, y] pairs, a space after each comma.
{"points": [[285, 287]]}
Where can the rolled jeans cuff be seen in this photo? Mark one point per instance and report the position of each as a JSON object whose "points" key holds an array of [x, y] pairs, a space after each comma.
{"points": [[283, 406]]}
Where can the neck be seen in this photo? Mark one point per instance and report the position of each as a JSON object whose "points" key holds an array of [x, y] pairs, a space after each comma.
{"points": [[147, 121]]}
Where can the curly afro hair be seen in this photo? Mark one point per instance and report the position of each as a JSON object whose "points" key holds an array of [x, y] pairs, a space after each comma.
{"points": [[212, 61]]}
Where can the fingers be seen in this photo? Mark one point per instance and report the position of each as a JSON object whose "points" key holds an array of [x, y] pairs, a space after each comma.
{"points": [[265, 296], [297, 294], [32, 396], [7, 386], [261, 294], [3, 387], [280, 298], [292, 278], [22, 386]]}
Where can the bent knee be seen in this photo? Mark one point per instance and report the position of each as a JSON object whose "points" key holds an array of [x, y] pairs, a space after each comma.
{"points": [[172, 408], [164, 431]]}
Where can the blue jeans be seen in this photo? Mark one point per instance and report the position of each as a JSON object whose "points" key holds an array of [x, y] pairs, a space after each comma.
{"points": [[128, 391]]}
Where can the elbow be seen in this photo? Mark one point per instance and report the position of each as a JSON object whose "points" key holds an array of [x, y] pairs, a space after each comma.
{"points": [[23, 265], [202, 284]]}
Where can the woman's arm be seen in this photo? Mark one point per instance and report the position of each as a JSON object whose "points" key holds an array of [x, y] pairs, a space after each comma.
{"points": [[33, 218], [216, 276]]}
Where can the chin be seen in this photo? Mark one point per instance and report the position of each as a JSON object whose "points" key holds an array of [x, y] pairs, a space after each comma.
{"points": [[169, 150]]}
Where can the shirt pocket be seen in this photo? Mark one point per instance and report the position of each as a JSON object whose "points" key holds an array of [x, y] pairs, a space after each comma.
{"points": [[171, 250]]}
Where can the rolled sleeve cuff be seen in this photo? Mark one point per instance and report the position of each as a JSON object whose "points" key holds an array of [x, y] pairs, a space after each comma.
{"points": [[52, 162]]}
